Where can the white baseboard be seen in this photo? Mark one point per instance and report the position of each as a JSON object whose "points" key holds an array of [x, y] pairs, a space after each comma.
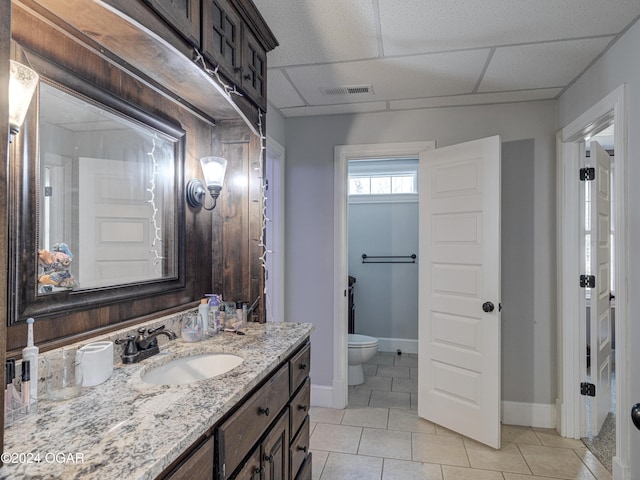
{"points": [[529, 414], [406, 345], [321, 396], [619, 470]]}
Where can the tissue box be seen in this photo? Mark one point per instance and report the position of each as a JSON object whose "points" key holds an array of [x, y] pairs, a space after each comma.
{"points": [[96, 363]]}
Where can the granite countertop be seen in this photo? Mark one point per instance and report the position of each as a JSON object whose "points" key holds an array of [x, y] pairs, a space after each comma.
{"points": [[125, 428]]}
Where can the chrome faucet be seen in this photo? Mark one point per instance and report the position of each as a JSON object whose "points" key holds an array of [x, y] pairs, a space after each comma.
{"points": [[141, 346]]}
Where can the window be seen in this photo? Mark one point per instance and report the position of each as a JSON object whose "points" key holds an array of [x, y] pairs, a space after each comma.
{"points": [[383, 177]]}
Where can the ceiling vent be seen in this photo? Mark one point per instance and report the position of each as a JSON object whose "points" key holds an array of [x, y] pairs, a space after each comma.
{"points": [[347, 90]]}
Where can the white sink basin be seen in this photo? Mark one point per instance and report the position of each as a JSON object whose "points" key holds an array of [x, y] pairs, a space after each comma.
{"points": [[191, 369]]}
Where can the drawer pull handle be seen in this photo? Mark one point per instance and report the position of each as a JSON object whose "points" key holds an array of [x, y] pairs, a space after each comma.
{"points": [[303, 449], [268, 458], [264, 411], [303, 366], [302, 407]]}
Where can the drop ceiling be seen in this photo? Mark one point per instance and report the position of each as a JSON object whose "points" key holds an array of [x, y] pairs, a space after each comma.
{"points": [[432, 53]]}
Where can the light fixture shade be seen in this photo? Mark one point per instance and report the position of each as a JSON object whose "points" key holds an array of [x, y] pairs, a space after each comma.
{"points": [[213, 169], [22, 84]]}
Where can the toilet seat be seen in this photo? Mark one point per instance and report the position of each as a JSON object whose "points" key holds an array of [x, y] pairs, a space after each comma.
{"points": [[361, 341]]}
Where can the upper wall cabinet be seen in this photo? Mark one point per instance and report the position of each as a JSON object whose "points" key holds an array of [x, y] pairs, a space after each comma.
{"points": [[184, 15]]}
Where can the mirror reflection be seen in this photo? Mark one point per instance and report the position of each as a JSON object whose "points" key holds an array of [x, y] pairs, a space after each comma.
{"points": [[106, 197]]}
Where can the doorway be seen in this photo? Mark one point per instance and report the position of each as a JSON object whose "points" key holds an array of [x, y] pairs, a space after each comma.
{"points": [[572, 304], [274, 230]]}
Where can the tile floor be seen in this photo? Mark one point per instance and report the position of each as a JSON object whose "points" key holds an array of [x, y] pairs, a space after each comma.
{"points": [[380, 437]]}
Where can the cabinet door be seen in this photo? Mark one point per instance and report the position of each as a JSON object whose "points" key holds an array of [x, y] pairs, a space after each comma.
{"points": [[252, 470], [221, 37], [254, 69], [275, 450], [198, 466], [183, 15]]}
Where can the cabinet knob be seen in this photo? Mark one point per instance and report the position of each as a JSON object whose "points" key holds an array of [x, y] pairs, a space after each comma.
{"points": [[264, 411], [259, 470], [303, 366], [302, 407], [247, 76], [268, 458], [303, 449]]}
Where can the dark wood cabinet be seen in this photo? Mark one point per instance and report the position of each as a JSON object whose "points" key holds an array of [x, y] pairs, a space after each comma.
{"points": [[182, 15], [221, 38], [267, 437], [254, 68], [197, 466]]}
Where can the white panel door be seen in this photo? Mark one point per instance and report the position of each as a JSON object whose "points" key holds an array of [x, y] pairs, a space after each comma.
{"points": [[601, 366], [459, 278]]}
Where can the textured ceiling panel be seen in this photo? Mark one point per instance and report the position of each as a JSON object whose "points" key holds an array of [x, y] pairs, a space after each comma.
{"points": [[540, 65], [318, 31], [476, 99], [280, 92], [394, 78], [419, 26], [335, 109]]}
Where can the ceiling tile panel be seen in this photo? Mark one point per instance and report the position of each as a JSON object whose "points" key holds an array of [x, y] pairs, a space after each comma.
{"points": [[280, 92], [540, 65], [313, 31], [476, 99], [419, 26], [335, 109], [394, 78]]}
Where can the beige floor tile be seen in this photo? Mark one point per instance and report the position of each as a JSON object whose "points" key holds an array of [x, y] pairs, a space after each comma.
{"points": [[457, 473], [404, 361], [326, 415], [359, 396], [550, 438], [404, 470], [381, 360], [385, 443], [376, 383], [517, 434], [366, 417], [445, 431], [555, 462], [507, 459], [312, 425], [369, 369], [414, 372], [409, 385], [414, 401], [351, 467], [335, 438], [391, 371], [590, 460], [390, 399], [318, 459], [439, 449], [517, 476], [409, 421]]}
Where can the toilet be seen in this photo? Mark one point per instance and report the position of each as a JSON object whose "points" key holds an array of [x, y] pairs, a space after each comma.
{"points": [[361, 349]]}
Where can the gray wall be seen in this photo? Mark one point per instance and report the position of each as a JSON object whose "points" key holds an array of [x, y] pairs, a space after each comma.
{"points": [[618, 66], [386, 295], [310, 290]]}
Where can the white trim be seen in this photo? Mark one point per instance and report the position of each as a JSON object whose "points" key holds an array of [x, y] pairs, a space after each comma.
{"points": [[388, 198], [321, 396], [276, 231], [570, 325], [405, 345], [539, 415], [342, 155]]}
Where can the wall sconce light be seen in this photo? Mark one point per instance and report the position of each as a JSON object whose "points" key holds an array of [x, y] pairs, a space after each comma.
{"points": [[22, 84], [213, 169]]}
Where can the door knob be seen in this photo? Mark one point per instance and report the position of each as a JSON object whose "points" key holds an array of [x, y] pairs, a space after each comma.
{"points": [[487, 307], [635, 415]]}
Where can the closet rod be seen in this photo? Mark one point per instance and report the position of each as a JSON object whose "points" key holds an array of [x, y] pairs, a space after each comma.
{"points": [[389, 258]]}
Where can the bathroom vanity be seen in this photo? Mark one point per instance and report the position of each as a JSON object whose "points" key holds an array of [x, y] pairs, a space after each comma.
{"points": [[249, 423]]}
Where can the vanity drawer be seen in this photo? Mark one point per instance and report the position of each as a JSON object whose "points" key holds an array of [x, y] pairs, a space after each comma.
{"points": [[300, 406], [299, 448], [300, 367], [239, 433]]}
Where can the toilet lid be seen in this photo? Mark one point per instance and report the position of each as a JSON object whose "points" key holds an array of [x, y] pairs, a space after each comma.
{"points": [[356, 340]]}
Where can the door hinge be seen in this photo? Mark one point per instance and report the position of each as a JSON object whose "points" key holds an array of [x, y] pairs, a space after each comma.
{"points": [[588, 389], [48, 191], [588, 281], [587, 174]]}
